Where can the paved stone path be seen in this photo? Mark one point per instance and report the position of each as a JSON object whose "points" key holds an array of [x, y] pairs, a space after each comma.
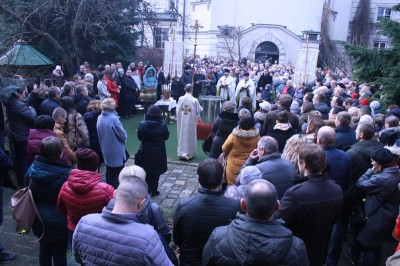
{"points": [[178, 182]]}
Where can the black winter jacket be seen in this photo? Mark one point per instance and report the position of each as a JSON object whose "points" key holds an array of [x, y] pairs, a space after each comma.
{"points": [[223, 126], [153, 132], [128, 90], [195, 218], [248, 241], [21, 118]]}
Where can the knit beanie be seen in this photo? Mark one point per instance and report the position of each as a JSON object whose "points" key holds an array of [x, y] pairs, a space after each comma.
{"points": [[375, 105], [87, 159], [382, 156], [44, 122], [364, 101], [248, 174]]}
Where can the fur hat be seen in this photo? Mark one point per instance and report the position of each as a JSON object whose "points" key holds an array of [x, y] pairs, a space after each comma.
{"points": [[87, 159], [44, 122], [229, 106], [382, 156]]}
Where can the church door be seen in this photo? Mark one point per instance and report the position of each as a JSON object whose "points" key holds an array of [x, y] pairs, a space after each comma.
{"points": [[267, 51]]}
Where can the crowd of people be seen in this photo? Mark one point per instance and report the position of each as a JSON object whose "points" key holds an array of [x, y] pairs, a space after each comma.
{"points": [[305, 163]]}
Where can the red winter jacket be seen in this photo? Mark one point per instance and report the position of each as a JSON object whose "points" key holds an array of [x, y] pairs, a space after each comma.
{"points": [[112, 89], [81, 194]]}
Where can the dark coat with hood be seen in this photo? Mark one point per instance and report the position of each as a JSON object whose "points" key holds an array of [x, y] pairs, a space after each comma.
{"points": [[153, 132], [47, 179], [195, 219], [81, 102], [270, 121], [248, 241], [21, 118], [381, 205], [345, 136], [223, 126], [310, 209], [82, 194], [323, 108]]}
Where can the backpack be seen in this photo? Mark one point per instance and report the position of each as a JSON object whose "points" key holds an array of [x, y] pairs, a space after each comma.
{"points": [[24, 211]]}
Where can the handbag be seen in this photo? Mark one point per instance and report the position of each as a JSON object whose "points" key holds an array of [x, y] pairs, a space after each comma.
{"points": [[138, 157], [222, 158], [24, 211], [206, 146]]}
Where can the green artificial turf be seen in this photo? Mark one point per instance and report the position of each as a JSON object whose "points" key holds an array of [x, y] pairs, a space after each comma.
{"points": [[133, 143]]}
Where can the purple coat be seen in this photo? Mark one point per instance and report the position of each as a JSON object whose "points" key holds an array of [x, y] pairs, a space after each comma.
{"points": [[35, 139]]}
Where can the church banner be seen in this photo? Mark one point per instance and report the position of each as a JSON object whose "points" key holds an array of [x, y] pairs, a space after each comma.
{"points": [[173, 58], [306, 63]]}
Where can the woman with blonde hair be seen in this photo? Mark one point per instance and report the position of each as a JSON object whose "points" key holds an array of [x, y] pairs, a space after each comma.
{"points": [[292, 148]]}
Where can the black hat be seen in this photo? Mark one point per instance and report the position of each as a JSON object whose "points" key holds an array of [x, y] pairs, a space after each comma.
{"points": [[246, 74], [154, 110], [187, 67], [227, 70], [382, 156], [341, 85], [44, 122]]}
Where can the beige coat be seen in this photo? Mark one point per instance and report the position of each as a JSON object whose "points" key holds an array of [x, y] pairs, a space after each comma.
{"points": [[238, 146]]}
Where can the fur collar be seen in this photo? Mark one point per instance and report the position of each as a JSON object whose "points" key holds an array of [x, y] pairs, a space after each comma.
{"points": [[245, 134]]}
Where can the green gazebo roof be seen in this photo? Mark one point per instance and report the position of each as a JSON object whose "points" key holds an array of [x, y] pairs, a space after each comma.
{"points": [[22, 54]]}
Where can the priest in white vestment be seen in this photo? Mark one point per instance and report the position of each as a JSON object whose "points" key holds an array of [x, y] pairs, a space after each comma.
{"points": [[246, 87], [226, 87], [187, 111]]}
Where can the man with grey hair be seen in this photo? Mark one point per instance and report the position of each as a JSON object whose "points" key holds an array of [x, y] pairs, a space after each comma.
{"points": [[255, 238], [98, 238], [266, 157]]}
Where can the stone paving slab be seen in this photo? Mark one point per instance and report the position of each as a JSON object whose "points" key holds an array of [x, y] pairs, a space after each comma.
{"points": [[180, 181]]}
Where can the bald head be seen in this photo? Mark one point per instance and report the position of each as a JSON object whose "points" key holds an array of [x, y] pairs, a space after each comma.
{"points": [[260, 200], [326, 136]]}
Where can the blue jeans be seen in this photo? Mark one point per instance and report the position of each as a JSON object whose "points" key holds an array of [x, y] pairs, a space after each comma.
{"points": [[338, 236], [53, 252]]}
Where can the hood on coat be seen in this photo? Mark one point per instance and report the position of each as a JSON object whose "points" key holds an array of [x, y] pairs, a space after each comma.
{"points": [[39, 134], [82, 181], [254, 243], [245, 134], [46, 171], [91, 116], [152, 121], [148, 71]]}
